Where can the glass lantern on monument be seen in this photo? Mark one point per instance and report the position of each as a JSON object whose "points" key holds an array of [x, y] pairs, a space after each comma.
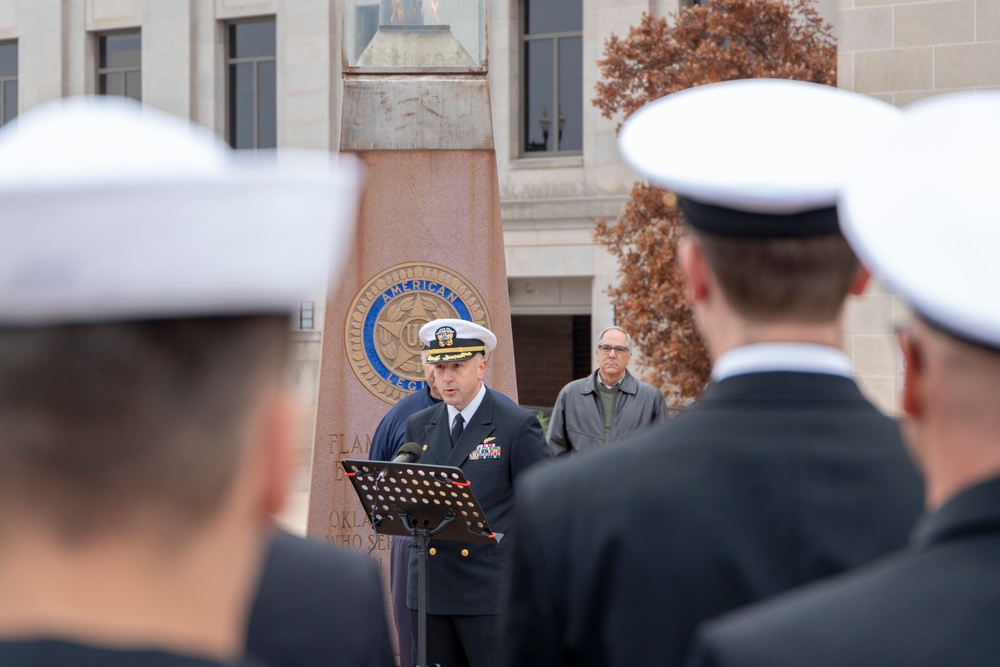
{"points": [[400, 36]]}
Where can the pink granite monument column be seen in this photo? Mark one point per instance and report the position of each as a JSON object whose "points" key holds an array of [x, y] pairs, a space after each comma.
{"points": [[429, 242]]}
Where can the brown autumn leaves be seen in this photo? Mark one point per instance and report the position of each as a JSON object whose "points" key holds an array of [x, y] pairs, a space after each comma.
{"points": [[728, 39]]}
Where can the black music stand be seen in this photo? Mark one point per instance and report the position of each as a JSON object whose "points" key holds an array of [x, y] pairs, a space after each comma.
{"points": [[424, 501]]}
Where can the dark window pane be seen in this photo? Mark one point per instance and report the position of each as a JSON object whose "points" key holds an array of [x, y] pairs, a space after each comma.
{"points": [[307, 313], [111, 84], [8, 59], [252, 40], [9, 100], [582, 353], [543, 16], [133, 84], [241, 105], [570, 94], [366, 25], [538, 79], [121, 50], [267, 105]]}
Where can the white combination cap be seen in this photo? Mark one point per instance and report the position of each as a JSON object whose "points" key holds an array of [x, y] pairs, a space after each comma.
{"points": [[922, 211], [754, 157], [114, 211], [455, 340]]}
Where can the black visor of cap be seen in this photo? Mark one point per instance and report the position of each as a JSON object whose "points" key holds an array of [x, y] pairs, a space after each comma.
{"points": [[745, 224]]}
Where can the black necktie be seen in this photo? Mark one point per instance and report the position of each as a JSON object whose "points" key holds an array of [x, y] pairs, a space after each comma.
{"points": [[456, 429]]}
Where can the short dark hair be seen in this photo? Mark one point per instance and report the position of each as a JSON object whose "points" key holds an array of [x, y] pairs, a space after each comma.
{"points": [[805, 279], [101, 423]]}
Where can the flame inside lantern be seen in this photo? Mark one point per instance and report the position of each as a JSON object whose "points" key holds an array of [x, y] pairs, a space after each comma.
{"points": [[414, 12]]}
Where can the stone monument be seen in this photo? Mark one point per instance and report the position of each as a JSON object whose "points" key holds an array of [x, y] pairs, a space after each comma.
{"points": [[429, 244]]}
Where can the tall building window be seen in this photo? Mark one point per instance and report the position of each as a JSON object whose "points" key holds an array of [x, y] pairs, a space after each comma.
{"points": [[552, 59], [8, 81], [252, 84], [307, 315], [119, 64]]}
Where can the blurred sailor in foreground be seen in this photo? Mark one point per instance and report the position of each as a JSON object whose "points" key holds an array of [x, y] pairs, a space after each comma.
{"points": [[925, 196], [782, 473], [146, 281]]}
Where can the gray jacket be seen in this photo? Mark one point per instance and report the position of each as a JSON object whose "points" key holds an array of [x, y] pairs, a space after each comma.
{"points": [[577, 421]]}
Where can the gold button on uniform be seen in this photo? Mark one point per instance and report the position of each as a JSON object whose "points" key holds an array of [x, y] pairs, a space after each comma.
{"points": [[432, 551], [465, 552]]}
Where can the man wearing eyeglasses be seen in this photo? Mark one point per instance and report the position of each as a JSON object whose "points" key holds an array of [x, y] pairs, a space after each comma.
{"points": [[607, 405]]}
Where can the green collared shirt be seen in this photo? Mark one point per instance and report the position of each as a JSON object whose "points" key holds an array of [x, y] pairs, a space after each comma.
{"points": [[608, 399]]}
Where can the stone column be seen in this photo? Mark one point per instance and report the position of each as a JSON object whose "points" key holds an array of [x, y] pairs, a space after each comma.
{"points": [[429, 244]]}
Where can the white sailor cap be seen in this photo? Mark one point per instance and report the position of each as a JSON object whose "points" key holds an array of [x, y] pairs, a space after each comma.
{"points": [[455, 340], [753, 157], [113, 211], [922, 211]]}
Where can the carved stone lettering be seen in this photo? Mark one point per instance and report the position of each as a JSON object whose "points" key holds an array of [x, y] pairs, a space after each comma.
{"points": [[351, 448], [384, 542], [349, 519], [353, 542]]}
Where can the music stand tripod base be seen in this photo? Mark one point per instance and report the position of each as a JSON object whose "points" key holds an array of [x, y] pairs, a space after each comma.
{"points": [[424, 501]]}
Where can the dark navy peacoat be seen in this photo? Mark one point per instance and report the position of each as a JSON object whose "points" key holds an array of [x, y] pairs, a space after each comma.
{"points": [[936, 603], [773, 480]]}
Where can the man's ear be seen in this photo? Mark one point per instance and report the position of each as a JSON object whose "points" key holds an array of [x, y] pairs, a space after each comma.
{"points": [[694, 266], [860, 281], [482, 367], [913, 367]]}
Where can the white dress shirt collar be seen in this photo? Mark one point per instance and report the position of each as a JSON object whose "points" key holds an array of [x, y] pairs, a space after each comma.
{"points": [[469, 410], [794, 357], [600, 380]]}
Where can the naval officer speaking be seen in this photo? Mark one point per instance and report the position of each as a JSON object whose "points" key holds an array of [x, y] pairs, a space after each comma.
{"points": [[493, 442]]}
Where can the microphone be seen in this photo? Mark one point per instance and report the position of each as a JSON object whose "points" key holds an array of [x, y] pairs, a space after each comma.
{"points": [[408, 453]]}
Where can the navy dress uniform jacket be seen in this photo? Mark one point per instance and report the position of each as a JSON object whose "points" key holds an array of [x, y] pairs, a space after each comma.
{"points": [[470, 584], [389, 437], [773, 480], [937, 603], [390, 434], [318, 605]]}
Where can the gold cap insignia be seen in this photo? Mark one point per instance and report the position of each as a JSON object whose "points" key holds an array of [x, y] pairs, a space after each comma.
{"points": [[445, 336]]}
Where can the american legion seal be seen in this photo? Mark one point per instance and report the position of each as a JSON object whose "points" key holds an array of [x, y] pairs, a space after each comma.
{"points": [[382, 326]]}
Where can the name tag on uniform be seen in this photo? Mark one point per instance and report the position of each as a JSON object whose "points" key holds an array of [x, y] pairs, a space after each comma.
{"points": [[487, 449]]}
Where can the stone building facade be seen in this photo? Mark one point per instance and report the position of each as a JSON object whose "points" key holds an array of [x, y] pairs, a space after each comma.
{"points": [[902, 52]]}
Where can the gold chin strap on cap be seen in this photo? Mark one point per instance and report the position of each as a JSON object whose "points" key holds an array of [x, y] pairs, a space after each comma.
{"points": [[453, 353]]}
